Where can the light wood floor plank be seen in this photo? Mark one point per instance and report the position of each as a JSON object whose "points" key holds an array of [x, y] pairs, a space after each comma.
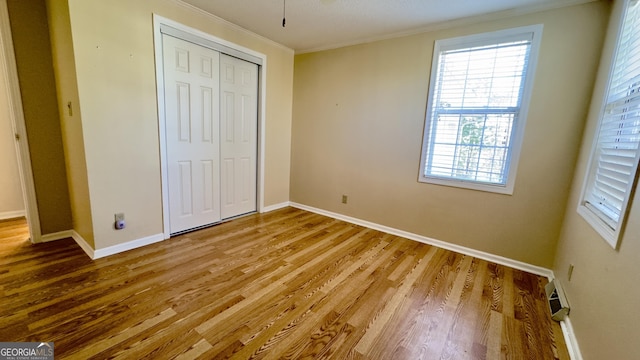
{"points": [[378, 324], [288, 284]]}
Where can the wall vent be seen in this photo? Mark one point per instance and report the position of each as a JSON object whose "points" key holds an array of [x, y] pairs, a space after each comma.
{"points": [[558, 304]]}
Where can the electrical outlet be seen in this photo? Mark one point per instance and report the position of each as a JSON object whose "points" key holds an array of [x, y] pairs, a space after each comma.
{"points": [[570, 272], [344, 199], [119, 224]]}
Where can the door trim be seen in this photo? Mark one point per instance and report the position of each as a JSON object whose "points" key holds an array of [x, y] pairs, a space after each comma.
{"points": [[213, 45], [16, 115], [161, 23]]}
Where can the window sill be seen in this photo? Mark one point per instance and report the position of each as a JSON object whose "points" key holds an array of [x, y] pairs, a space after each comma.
{"points": [[599, 225], [497, 189]]}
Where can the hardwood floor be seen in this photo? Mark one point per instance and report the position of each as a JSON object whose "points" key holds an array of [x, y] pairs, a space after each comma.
{"points": [[288, 284]]}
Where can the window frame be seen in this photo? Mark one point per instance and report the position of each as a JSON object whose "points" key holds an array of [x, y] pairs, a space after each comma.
{"points": [[517, 132], [610, 230]]}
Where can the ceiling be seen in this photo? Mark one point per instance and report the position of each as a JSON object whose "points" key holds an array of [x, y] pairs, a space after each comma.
{"points": [[323, 24]]}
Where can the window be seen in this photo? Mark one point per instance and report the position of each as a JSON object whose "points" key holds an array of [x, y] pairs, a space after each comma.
{"points": [[614, 160], [476, 109]]}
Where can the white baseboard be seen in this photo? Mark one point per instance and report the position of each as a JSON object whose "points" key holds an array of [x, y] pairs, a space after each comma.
{"points": [[130, 245], [570, 339], [275, 207], [115, 249], [439, 243], [56, 236], [12, 214], [84, 245]]}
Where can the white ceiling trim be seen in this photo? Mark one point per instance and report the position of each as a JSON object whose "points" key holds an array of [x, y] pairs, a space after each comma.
{"points": [[454, 23], [232, 25]]}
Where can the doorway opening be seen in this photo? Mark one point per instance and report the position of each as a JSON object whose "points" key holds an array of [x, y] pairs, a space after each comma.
{"points": [[15, 138]]}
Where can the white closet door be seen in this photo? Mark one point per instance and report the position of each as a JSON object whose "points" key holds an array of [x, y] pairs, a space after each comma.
{"points": [[238, 135], [192, 101]]}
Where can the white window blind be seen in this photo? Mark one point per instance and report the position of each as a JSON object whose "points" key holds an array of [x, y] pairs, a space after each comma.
{"points": [[615, 158], [475, 108]]}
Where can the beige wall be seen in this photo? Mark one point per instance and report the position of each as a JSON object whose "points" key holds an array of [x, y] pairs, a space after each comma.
{"points": [[358, 120], [11, 200], [70, 120], [603, 291], [32, 47], [114, 60]]}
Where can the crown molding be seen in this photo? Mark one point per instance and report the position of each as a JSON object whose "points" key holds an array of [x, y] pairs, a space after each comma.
{"points": [[471, 20]]}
